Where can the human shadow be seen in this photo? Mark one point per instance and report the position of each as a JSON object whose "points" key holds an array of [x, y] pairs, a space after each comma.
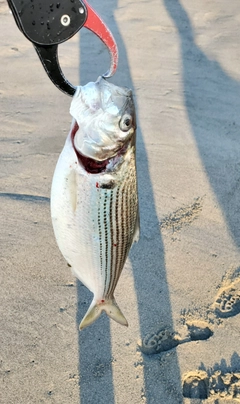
{"points": [[212, 101], [223, 366], [147, 258]]}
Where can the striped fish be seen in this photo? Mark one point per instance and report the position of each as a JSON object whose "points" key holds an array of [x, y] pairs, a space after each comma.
{"points": [[94, 201]]}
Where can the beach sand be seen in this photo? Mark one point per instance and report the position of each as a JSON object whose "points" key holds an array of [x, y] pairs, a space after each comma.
{"points": [[180, 288]]}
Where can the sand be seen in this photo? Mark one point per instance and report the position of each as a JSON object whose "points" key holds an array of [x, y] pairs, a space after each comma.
{"points": [[180, 289]]}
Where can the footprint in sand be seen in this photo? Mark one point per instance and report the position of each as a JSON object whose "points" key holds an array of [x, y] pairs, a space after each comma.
{"points": [[214, 385], [165, 339], [196, 384], [218, 384], [201, 384], [227, 302], [162, 340]]}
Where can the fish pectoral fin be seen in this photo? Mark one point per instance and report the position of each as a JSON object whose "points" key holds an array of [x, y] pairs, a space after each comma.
{"points": [[109, 306], [72, 188]]}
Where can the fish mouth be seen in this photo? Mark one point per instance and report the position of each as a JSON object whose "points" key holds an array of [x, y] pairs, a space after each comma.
{"points": [[95, 166]]}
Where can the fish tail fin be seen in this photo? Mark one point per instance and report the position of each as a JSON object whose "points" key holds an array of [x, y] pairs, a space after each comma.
{"points": [[113, 311], [109, 306], [92, 314]]}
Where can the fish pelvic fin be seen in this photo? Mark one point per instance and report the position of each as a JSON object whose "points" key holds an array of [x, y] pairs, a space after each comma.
{"points": [[96, 308]]}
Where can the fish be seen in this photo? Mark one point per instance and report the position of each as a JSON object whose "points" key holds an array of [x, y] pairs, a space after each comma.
{"points": [[94, 194]]}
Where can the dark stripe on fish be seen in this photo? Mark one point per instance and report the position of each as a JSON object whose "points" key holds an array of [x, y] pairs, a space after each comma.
{"points": [[115, 247], [125, 235], [126, 202], [100, 236], [120, 225], [112, 237], [106, 232]]}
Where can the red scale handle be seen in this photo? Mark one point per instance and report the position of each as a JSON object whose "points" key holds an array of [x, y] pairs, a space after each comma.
{"points": [[95, 24]]}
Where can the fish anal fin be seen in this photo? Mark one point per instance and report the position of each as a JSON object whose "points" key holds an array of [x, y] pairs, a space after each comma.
{"points": [[96, 308]]}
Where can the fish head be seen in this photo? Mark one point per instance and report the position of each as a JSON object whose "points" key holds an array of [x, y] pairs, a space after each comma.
{"points": [[104, 119]]}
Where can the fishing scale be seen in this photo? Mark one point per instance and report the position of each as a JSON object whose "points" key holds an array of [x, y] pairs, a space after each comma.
{"points": [[48, 23]]}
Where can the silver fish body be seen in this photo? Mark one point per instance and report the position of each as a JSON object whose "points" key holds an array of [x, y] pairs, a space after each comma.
{"points": [[94, 201]]}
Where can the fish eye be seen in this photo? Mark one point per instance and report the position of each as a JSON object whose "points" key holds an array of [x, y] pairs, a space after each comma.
{"points": [[125, 122]]}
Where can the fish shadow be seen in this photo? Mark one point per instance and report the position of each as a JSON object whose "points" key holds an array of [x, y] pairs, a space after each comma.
{"points": [[147, 259]]}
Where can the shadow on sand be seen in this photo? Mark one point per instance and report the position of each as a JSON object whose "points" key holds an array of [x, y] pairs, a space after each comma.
{"points": [[212, 101], [147, 260]]}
